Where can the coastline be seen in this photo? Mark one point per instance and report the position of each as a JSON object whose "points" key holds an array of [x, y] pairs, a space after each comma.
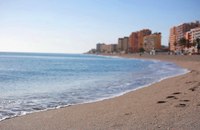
{"points": [[126, 112]]}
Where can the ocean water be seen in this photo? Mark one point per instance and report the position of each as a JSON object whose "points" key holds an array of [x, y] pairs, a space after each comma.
{"points": [[31, 82]]}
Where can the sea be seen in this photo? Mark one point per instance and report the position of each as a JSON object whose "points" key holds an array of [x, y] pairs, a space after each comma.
{"points": [[32, 82]]}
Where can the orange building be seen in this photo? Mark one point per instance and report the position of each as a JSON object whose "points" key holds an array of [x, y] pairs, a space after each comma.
{"points": [[141, 35], [136, 39], [133, 42], [172, 38], [179, 32]]}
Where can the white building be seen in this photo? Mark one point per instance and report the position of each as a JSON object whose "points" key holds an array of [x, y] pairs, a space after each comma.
{"points": [[194, 34]]}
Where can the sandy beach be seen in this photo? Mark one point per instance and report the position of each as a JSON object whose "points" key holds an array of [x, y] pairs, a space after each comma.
{"points": [[173, 104]]}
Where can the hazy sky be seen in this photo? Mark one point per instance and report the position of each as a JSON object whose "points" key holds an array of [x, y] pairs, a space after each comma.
{"points": [[75, 26]]}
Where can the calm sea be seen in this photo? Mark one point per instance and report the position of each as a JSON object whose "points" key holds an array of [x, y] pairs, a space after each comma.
{"points": [[31, 82]]}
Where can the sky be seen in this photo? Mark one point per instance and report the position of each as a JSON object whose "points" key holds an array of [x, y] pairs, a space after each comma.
{"points": [[75, 26]]}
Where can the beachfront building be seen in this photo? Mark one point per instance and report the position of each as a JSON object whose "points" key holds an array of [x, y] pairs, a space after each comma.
{"points": [[122, 45], [103, 48], [125, 44], [193, 34], [136, 39], [99, 47], [113, 48], [152, 42], [179, 32], [106, 48], [133, 42], [119, 45], [141, 35], [172, 38]]}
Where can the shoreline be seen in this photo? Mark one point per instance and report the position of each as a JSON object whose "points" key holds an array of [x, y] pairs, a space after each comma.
{"points": [[105, 98], [17, 121]]}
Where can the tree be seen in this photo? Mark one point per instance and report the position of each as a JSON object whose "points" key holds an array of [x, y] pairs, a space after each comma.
{"points": [[141, 49], [198, 40], [182, 42], [198, 44]]}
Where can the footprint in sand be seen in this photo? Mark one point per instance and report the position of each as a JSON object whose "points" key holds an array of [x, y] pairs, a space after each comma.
{"points": [[159, 102], [181, 105], [193, 88], [171, 97], [127, 114], [176, 93], [189, 82], [184, 100]]}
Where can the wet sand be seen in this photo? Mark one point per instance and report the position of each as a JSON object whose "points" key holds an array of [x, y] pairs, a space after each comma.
{"points": [[173, 104]]}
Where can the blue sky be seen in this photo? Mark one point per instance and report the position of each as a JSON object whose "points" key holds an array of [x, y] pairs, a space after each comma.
{"points": [[75, 26]]}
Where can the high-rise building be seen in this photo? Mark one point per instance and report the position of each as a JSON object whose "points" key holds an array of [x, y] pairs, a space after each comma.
{"points": [[141, 35], [136, 39], [172, 38], [133, 42], [180, 32], [192, 35], [152, 42], [119, 45], [99, 47], [125, 44], [122, 45], [113, 48]]}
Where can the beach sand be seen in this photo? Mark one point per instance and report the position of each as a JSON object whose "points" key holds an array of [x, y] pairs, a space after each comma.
{"points": [[172, 104]]}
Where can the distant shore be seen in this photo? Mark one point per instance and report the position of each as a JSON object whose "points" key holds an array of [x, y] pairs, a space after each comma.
{"points": [[170, 104]]}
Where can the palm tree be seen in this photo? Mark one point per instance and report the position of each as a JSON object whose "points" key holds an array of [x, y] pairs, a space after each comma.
{"points": [[182, 42], [198, 44], [141, 49]]}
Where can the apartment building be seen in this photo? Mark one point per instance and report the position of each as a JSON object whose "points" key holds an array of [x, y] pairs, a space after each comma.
{"points": [[193, 34], [120, 44], [179, 32], [125, 44], [172, 38], [152, 42], [136, 39]]}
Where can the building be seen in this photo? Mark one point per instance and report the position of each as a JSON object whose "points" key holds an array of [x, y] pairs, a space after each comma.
{"points": [[192, 35], [113, 48], [172, 38], [141, 35], [122, 45], [106, 48], [180, 32], [119, 45], [183, 28], [103, 48], [133, 42], [99, 47], [125, 45], [152, 42], [136, 39]]}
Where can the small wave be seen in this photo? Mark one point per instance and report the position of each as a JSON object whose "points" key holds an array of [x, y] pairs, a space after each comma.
{"points": [[104, 78]]}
